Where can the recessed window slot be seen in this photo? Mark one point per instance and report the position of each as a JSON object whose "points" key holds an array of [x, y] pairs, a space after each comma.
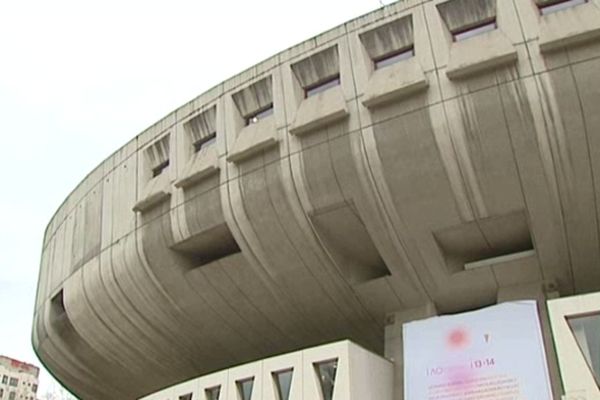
{"points": [[394, 57], [468, 18], [474, 30], [157, 156], [255, 102], [322, 86], [549, 7], [318, 72], [201, 130], [205, 142], [260, 114], [156, 171]]}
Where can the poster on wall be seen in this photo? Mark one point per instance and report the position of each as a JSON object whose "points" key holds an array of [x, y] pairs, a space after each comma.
{"points": [[496, 353]]}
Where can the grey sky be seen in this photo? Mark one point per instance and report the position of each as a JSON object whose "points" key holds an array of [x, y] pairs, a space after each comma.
{"points": [[78, 79]]}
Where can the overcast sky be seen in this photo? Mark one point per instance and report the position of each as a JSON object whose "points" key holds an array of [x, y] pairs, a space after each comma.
{"points": [[78, 79]]}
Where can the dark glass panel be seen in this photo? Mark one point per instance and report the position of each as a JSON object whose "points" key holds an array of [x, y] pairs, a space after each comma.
{"points": [[245, 388], [326, 372], [586, 329], [283, 381]]}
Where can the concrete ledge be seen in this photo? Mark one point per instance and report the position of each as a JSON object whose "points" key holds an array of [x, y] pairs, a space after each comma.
{"points": [[569, 27], [253, 139], [394, 83], [320, 110], [156, 191], [488, 262], [201, 165], [480, 53]]}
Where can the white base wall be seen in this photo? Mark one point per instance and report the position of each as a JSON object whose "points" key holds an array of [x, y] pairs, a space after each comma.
{"points": [[361, 375], [577, 378]]}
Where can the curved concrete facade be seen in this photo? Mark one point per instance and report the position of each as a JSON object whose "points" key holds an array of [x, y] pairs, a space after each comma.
{"points": [[466, 168]]}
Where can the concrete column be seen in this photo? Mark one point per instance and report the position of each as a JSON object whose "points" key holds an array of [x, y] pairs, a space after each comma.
{"points": [[394, 350], [540, 292]]}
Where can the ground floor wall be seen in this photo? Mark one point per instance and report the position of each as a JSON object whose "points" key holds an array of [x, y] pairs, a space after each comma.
{"points": [[336, 371], [576, 331], [565, 332]]}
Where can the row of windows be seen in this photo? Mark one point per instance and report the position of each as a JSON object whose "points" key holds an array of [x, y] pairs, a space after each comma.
{"points": [[489, 24], [395, 56], [12, 381], [13, 395], [325, 372]]}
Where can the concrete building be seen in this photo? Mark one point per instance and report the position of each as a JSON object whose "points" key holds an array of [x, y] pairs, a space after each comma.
{"points": [[18, 380], [430, 158]]}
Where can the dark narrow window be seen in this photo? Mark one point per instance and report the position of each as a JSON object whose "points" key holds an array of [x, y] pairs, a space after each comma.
{"points": [[205, 142], [5, 379], [213, 393], [322, 86], [156, 171], [245, 388], [326, 372], [549, 7], [187, 396], [283, 382], [394, 57], [260, 114], [474, 30]]}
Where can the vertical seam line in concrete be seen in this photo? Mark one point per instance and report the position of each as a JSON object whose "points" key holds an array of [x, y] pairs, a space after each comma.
{"points": [[587, 142]]}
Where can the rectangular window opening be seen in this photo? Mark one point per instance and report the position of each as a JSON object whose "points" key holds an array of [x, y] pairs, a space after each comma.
{"points": [[394, 57], [13, 382], [283, 383], [550, 7], [156, 171], [205, 142], [260, 114], [474, 30], [326, 372], [244, 387], [187, 396], [322, 86], [213, 393], [586, 331]]}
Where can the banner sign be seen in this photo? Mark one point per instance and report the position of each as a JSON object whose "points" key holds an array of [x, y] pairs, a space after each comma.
{"points": [[496, 353]]}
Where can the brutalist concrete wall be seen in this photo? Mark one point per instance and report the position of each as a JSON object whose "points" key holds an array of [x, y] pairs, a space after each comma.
{"points": [[309, 219]]}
